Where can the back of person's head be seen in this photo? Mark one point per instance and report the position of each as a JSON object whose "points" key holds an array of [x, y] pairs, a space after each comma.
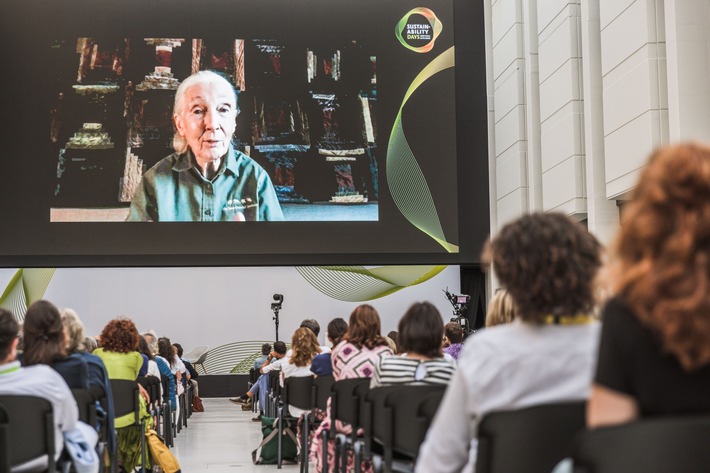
{"points": [[280, 347], [9, 329], [305, 346], [313, 325], [90, 344], [74, 330], [120, 336], [660, 258], [548, 263], [166, 350], [266, 349], [454, 332], [144, 349], [364, 327], [394, 336], [152, 340], [178, 349], [43, 331], [421, 330], [336, 330], [501, 309]]}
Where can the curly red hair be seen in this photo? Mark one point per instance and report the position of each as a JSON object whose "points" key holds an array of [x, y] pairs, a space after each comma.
{"points": [[661, 256], [120, 335]]}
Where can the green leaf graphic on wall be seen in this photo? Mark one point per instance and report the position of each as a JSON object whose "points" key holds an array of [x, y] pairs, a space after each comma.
{"points": [[406, 181], [359, 284], [26, 286]]}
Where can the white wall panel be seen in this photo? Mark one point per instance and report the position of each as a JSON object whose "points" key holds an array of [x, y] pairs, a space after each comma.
{"points": [[609, 10], [510, 129], [560, 88], [505, 13], [512, 206], [508, 89], [511, 170], [508, 50], [556, 44], [628, 33], [562, 135], [549, 10], [564, 186]]}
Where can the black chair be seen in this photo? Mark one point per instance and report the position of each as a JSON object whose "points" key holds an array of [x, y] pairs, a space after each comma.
{"points": [[29, 417], [677, 444], [533, 439], [321, 391], [397, 427], [272, 399], [4, 441], [344, 407], [126, 401], [297, 392], [86, 402], [166, 413]]}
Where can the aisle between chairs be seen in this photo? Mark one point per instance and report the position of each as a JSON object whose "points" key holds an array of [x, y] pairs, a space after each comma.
{"points": [[220, 440]]}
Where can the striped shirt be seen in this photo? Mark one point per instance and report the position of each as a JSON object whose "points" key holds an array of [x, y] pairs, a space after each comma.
{"points": [[401, 370]]}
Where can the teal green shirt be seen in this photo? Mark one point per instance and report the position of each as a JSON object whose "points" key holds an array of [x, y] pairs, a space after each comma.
{"points": [[175, 191]]}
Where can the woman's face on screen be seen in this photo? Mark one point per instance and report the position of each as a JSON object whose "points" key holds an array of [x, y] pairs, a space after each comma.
{"points": [[208, 119]]}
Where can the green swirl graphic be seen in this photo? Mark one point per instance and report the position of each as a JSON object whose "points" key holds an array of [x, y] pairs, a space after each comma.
{"points": [[406, 181], [26, 286], [359, 284]]}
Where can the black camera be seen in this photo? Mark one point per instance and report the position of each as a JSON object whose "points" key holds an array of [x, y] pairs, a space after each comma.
{"points": [[279, 298]]}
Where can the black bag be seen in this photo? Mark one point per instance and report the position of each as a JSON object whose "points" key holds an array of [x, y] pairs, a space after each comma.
{"points": [[269, 445]]}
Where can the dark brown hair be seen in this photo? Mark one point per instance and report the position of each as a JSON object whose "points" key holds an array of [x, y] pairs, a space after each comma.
{"points": [[420, 330], [144, 348], [120, 336], [661, 256], [8, 332], [454, 332], [364, 328], [547, 263], [167, 351], [337, 329], [305, 347], [43, 335]]}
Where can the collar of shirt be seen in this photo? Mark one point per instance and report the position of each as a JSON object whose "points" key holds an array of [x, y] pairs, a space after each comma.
{"points": [[9, 367], [187, 161]]}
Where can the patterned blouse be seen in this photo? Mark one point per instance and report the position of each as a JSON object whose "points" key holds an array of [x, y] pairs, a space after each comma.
{"points": [[350, 361]]}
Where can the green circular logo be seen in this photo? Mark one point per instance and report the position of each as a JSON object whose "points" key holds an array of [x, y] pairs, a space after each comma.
{"points": [[418, 30]]}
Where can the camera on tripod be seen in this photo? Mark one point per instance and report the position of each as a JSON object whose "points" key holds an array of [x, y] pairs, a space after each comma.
{"points": [[279, 298], [460, 304]]}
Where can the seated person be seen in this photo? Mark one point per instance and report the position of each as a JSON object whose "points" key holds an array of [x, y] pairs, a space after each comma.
{"points": [[322, 365], [260, 388], [654, 355], [548, 264], [422, 361], [36, 380], [206, 179], [304, 347], [265, 351], [453, 339]]}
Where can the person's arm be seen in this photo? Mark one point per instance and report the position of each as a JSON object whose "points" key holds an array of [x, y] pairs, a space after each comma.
{"points": [[143, 393], [609, 407]]}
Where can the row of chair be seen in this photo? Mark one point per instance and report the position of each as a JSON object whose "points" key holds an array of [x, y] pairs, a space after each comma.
{"points": [[388, 423], [29, 417]]}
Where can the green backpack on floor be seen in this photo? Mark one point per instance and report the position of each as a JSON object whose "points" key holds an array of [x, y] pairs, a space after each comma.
{"points": [[269, 445]]}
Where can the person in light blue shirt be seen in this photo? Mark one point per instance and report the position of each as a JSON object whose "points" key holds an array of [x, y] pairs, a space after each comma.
{"points": [[206, 179]]}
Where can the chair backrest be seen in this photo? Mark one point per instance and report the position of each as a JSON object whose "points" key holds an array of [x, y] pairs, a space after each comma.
{"points": [[532, 439], [297, 392], [29, 417], [152, 386], [125, 398], [344, 404], [677, 444], [321, 387], [4, 441], [86, 402], [409, 428], [194, 355]]}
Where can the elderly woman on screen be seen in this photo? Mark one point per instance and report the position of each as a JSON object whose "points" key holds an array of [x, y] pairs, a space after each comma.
{"points": [[206, 179]]}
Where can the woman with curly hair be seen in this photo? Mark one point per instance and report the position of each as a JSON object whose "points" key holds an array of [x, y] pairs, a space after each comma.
{"points": [[654, 357], [355, 356], [119, 340], [548, 264]]}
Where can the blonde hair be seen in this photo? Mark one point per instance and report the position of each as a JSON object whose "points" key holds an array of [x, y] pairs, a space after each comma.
{"points": [[305, 347], [75, 330], [501, 309]]}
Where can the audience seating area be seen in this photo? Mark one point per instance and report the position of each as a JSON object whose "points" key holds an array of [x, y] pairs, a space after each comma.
{"points": [[30, 417]]}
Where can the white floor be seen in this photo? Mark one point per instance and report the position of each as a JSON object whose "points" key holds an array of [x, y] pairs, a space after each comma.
{"points": [[220, 440]]}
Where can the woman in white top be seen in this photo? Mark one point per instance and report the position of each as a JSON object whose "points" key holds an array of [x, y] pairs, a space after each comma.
{"points": [[305, 347]]}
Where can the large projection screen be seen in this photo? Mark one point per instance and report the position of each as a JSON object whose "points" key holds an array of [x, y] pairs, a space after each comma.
{"points": [[350, 107]]}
